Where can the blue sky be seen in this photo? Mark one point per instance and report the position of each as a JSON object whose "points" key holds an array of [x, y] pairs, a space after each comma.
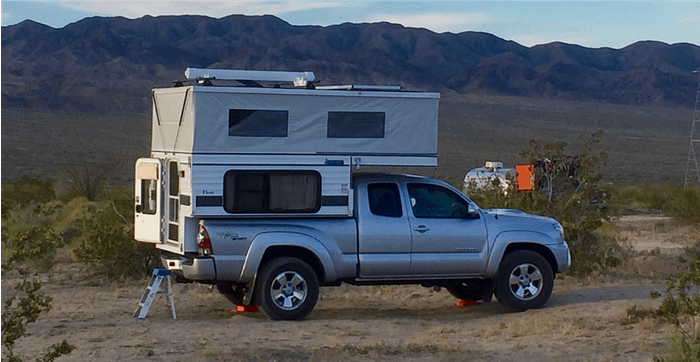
{"points": [[594, 24]]}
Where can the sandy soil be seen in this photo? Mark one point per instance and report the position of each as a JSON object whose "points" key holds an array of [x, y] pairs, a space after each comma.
{"points": [[584, 320]]}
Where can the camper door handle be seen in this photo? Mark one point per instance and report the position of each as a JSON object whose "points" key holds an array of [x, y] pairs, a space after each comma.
{"points": [[139, 208]]}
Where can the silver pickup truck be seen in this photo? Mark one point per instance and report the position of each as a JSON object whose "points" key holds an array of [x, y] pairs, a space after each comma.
{"points": [[405, 229]]}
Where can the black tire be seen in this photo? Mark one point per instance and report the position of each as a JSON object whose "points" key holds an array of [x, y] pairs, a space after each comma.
{"points": [[232, 292], [524, 281], [473, 290], [286, 289]]}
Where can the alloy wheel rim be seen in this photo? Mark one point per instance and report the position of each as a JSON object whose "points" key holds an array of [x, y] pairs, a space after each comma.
{"points": [[288, 290], [525, 281]]}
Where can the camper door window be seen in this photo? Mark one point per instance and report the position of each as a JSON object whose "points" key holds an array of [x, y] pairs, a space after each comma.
{"points": [[148, 196]]}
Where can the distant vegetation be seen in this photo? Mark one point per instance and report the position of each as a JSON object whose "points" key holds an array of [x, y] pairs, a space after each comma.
{"points": [[672, 200], [644, 144]]}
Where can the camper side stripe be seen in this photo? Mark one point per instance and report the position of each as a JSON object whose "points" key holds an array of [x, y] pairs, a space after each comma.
{"points": [[210, 201], [334, 201]]}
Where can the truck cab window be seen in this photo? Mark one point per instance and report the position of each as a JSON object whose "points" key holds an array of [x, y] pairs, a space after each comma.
{"points": [[431, 201], [384, 199]]}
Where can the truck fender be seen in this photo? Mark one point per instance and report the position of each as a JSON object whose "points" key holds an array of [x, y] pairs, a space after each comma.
{"points": [[507, 238], [264, 241]]}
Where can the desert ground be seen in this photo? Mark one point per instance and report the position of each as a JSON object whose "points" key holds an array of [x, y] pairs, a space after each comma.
{"points": [[585, 319]]}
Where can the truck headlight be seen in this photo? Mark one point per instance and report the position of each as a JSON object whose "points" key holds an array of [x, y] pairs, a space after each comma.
{"points": [[560, 229]]}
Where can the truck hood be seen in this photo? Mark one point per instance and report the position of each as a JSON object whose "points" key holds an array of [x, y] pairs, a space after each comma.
{"points": [[512, 213], [502, 220]]}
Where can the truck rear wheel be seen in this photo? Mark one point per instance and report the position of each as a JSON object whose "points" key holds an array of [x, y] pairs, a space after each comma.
{"points": [[524, 281], [287, 289]]}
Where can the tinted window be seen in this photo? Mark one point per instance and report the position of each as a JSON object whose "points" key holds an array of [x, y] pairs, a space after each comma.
{"points": [[257, 123], [356, 124], [272, 192], [384, 199], [436, 202]]}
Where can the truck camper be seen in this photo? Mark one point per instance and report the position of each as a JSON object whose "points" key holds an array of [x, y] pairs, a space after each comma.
{"points": [[255, 189], [250, 151]]}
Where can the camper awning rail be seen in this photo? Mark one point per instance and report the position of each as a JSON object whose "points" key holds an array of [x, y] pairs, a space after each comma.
{"points": [[300, 79], [362, 87]]}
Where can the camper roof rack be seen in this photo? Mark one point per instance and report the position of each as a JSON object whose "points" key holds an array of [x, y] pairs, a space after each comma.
{"points": [[363, 87], [299, 79]]}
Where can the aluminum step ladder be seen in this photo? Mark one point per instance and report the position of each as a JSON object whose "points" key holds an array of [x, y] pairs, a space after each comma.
{"points": [[152, 291]]}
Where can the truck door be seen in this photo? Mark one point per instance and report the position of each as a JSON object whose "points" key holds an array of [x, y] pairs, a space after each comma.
{"points": [[445, 241], [384, 239], [148, 219]]}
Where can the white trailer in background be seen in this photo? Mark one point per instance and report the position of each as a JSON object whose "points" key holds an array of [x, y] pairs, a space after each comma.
{"points": [[484, 176], [216, 149]]}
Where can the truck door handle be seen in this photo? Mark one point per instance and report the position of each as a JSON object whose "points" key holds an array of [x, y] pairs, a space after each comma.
{"points": [[421, 228]]}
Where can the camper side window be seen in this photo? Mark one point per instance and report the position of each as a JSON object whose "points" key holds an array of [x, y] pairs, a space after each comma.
{"points": [[257, 192], [257, 123], [356, 124]]}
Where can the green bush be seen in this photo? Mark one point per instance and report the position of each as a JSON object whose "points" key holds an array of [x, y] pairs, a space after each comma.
{"points": [[107, 240], [681, 311], [32, 246], [24, 192], [38, 242], [575, 198], [684, 204]]}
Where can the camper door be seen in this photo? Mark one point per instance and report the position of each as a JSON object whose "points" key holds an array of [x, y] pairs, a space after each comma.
{"points": [[148, 220]]}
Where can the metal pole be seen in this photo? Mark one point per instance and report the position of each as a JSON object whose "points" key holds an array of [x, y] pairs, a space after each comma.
{"points": [[692, 166]]}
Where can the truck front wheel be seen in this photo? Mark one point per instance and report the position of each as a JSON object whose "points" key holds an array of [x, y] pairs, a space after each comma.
{"points": [[524, 281], [286, 289]]}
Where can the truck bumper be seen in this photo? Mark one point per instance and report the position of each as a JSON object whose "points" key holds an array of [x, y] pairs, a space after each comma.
{"points": [[562, 255], [198, 268]]}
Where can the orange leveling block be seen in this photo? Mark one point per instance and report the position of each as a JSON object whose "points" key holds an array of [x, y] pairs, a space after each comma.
{"points": [[245, 308], [464, 303]]}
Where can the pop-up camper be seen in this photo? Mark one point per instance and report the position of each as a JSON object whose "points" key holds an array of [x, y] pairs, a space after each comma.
{"points": [[261, 152]]}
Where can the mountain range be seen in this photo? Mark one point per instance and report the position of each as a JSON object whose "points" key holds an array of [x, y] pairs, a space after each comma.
{"points": [[109, 64], [76, 100]]}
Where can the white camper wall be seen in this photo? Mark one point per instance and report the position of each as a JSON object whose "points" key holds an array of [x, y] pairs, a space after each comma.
{"points": [[208, 174], [200, 126], [196, 120]]}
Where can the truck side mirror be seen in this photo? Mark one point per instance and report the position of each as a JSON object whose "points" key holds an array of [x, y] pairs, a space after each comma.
{"points": [[473, 212]]}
